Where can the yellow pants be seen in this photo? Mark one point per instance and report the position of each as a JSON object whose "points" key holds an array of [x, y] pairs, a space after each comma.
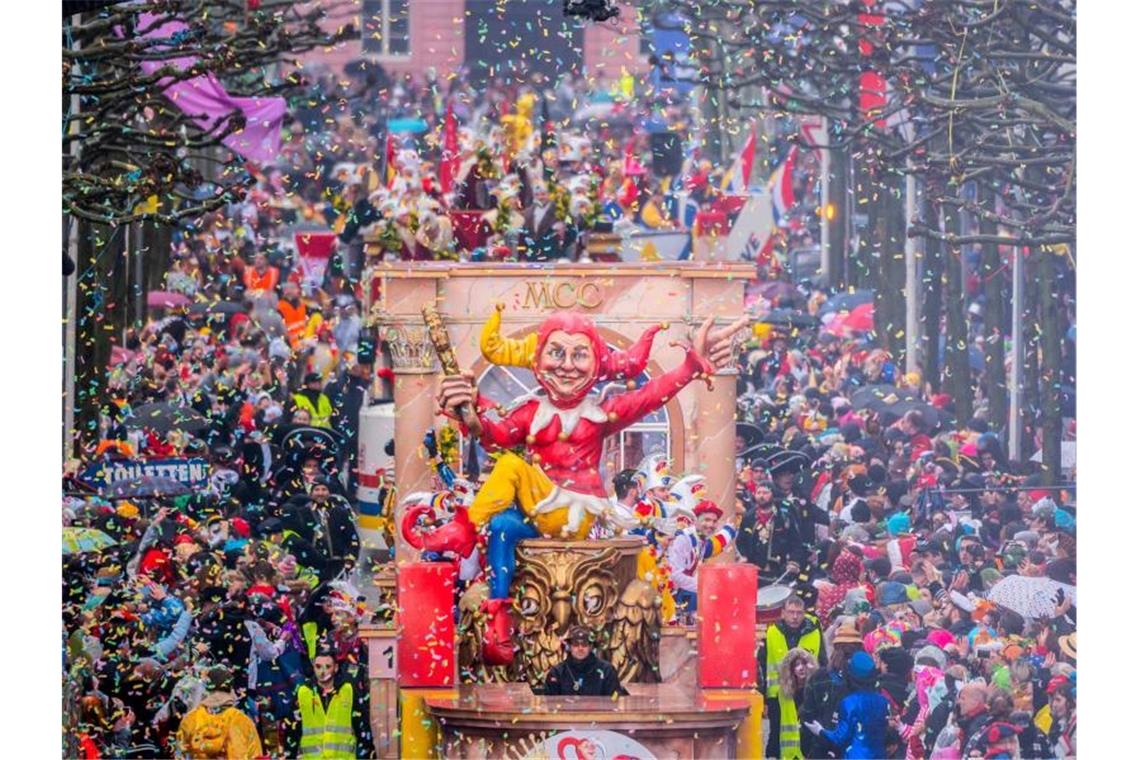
{"points": [[649, 571], [515, 481]]}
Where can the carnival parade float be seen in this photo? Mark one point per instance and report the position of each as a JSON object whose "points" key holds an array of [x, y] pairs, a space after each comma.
{"points": [[520, 394]]}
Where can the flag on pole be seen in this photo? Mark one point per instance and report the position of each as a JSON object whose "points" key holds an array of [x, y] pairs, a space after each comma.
{"points": [[813, 129], [780, 184], [390, 161], [450, 154], [206, 102], [736, 181], [314, 250]]}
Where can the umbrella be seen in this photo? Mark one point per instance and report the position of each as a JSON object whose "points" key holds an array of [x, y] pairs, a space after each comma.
{"points": [[847, 301], [863, 397], [217, 307], [83, 540], [859, 319], [412, 125], [162, 417], [789, 318], [147, 485], [1068, 455], [778, 290], [161, 299], [299, 440], [1032, 598]]}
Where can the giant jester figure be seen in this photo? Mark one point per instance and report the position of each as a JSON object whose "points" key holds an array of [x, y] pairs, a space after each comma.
{"points": [[556, 489]]}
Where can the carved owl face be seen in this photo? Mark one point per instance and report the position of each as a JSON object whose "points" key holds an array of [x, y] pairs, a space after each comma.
{"points": [[556, 590]]}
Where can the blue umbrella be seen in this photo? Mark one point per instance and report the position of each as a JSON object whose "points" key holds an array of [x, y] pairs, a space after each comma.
{"points": [[847, 301], [407, 124]]}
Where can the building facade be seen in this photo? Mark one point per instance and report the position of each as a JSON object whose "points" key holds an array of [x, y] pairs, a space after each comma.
{"points": [[489, 37]]}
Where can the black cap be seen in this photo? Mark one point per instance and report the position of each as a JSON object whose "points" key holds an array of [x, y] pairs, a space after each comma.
{"points": [[269, 526], [312, 377], [579, 634]]}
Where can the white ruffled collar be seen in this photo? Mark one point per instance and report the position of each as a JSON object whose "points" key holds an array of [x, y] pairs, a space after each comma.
{"points": [[587, 409]]}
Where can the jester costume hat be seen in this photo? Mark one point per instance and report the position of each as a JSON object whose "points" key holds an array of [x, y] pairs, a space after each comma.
{"points": [[522, 352]]}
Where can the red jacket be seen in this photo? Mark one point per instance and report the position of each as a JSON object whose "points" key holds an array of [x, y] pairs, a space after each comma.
{"points": [[573, 463]]}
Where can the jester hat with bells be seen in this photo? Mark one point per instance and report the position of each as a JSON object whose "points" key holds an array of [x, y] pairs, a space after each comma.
{"points": [[610, 364]]}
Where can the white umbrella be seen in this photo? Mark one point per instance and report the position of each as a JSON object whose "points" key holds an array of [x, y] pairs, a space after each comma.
{"points": [[1031, 598], [1068, 455]]}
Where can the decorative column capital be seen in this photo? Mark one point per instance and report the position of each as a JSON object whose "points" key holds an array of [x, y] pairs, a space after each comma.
{"points": [[409, 344]]}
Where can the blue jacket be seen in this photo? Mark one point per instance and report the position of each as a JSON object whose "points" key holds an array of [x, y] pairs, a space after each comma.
{"points": [[862, 727]]}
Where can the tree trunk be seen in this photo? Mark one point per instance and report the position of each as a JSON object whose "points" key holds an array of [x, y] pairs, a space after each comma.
{"points": [[859, 271], [837, 230], [931, 284], [957, 350], [102, 313], [1031, 340], [997, 389], [1050, 370]]}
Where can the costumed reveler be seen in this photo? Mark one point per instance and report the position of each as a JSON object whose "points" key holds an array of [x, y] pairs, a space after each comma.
{"points": [[556, 489]]}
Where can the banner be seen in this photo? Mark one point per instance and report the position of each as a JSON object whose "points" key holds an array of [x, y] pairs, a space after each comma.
{"points": [[207, 103], [314, 249], [193, 472]]}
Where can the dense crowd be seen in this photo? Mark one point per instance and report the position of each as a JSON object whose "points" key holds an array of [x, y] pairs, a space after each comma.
{"points": [[933, 580]]}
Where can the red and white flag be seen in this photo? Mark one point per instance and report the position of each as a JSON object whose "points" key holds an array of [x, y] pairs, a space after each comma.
{"points": [[314, 250], [450, 157], [780, 185], [736, 181]]}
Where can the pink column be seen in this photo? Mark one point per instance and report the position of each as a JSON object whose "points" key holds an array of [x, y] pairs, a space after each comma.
{"points": [[415, 367], [716, 433]]}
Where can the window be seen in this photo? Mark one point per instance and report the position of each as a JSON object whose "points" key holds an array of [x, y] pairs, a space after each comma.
{"points": [[650, 435], [385, 28]]}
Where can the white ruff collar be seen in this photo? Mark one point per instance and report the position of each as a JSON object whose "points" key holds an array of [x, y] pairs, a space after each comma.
{"points": [[587, 409]]}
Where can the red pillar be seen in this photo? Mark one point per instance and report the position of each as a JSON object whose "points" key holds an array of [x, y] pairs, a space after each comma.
{"points": [[726, 626], [425, 621]]}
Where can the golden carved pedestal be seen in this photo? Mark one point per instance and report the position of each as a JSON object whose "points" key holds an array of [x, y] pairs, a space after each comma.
{"points": [[560, 584]]}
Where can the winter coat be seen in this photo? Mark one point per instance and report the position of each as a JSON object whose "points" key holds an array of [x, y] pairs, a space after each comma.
{"points": [[862, 726], [216, 728], [589, 677], [825, 690]]}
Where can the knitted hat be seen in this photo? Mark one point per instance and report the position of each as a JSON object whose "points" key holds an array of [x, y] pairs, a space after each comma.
{"points": [[861, 665], [891, 593], [931, 655]]}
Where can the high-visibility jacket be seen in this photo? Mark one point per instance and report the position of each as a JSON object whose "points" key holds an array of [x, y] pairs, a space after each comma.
{"points": [[255, 282], [789, 730], [320, 415], [776, 649], [326, 734], [295, 318]]}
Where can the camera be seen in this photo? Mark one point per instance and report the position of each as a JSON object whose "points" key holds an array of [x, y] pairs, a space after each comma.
{"points": [[592, 10]]}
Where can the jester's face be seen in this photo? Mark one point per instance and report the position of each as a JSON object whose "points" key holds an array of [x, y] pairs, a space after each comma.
{"points": [[566, 365]]}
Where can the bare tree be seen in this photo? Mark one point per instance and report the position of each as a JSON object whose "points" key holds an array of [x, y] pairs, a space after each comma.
{"points": [[976, 98], [127, 143]]}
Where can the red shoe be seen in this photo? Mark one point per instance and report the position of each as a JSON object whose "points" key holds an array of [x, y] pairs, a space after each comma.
{"points": [[498, 637], [458, 536]]}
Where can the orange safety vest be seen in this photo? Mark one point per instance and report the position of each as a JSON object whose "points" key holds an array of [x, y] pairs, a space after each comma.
{"points": [[294, 317], [264, 282]]}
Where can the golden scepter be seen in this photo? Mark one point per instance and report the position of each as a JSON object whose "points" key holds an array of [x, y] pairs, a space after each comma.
{"points": [[437, 333]]}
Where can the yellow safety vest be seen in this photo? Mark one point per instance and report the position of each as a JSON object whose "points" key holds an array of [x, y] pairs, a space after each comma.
{"points": [[321, 415], [789, 730], [776, 647], [326, 734]]}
